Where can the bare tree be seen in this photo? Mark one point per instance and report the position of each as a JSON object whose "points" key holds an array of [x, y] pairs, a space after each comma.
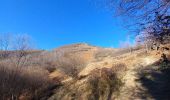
{"points": [[22, 42], [140, 9], [157, 32], [151, 17], [11, 68], [21, 46], [5, 42], [140, 13]]}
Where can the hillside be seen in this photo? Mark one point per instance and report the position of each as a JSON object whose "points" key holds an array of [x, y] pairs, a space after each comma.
{"points": [[85, 72], [127, 65]]}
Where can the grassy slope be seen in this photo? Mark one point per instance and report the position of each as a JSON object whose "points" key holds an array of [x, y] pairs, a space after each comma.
{"points": [[131, 88]]}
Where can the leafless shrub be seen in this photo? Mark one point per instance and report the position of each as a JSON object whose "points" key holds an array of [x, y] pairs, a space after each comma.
{"points": [[47, 60], [103, 83], [16, 81], [120, 69], [19, 74], [70, 64], [15, 48]]}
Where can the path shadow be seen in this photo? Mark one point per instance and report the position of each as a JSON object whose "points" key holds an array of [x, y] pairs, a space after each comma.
{"points": [[156, 80]]}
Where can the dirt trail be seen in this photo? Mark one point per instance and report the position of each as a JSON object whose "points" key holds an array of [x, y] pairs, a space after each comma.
{"points": [[133, 89]]}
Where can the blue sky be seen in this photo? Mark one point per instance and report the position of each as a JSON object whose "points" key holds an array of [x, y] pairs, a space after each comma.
{"points": [[53, 23]]}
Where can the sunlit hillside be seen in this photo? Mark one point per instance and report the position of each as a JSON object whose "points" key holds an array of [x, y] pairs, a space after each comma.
{"points": [[84, 49], [80, 71]]}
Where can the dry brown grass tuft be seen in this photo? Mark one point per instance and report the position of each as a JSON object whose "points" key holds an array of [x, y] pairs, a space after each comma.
{"points": [[103, 83], [119, 67]]}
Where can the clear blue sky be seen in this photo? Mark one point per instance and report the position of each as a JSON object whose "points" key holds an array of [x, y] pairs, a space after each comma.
{"points": [[52, 23]]}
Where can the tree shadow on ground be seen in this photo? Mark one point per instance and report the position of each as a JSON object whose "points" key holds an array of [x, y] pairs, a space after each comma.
{"points": [[156, 80]]}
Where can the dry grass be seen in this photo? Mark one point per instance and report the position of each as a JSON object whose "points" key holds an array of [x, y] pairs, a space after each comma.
{"points": [[71, 65], [100, 84], [15, 82], [103, 83], [24, 77], [103, 53], [38, 73]]}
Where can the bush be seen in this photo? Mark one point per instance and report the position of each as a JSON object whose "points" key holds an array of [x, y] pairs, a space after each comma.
{"points": [[119, 67], [71, 65], [15, 82], [46, 60], [164, 62], [103, 83], [49, 66]]}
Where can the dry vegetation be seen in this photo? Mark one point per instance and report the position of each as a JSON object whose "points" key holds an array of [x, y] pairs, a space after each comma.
{"points": [[17, 82], [105, 83], [71, 65], [100, 84], [78, 71], [21, 76], [24, 72]]}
